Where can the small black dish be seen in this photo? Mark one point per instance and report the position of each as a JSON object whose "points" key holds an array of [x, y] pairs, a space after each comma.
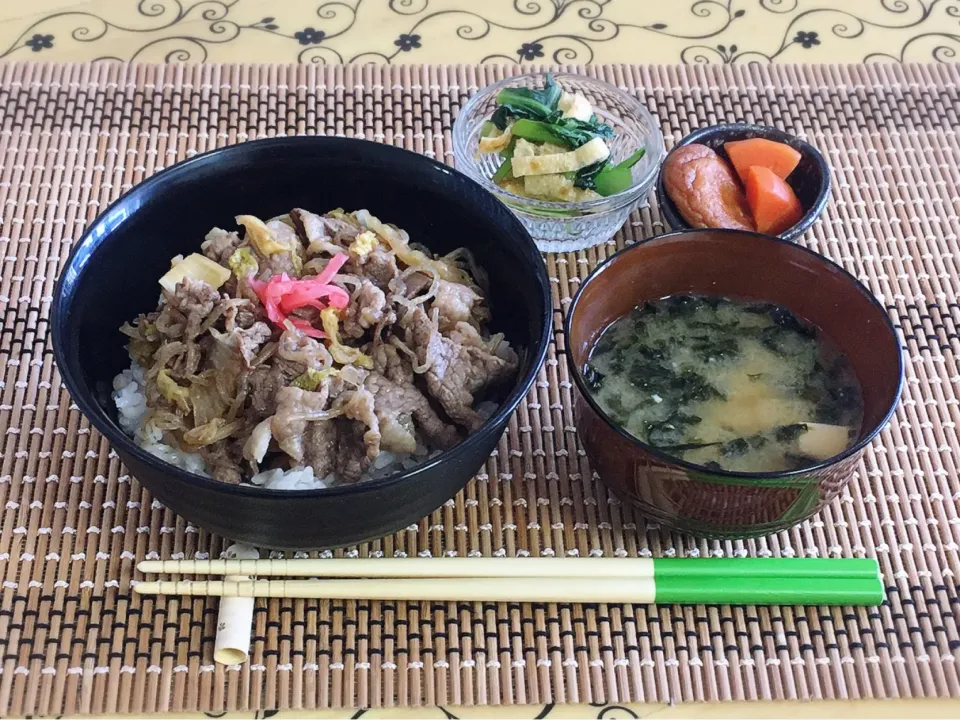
{"points": [[112, 275], [810, 180]]}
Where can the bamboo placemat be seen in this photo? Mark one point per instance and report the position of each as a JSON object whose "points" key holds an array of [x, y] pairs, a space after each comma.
{"points": [[75, 640]]}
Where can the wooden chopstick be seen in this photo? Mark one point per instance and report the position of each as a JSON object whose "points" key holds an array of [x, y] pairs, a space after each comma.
{"points": [[644, 590], [584, 568]]}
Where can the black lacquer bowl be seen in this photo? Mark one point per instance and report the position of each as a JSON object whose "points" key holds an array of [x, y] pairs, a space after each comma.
{"points": [[112, 274]]}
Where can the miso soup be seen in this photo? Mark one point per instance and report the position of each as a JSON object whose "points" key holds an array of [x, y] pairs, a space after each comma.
{"points": [[729, 385]]}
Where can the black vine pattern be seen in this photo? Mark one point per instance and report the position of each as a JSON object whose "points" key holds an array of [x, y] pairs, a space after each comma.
{"points": [[601, 711], [561, 31]]}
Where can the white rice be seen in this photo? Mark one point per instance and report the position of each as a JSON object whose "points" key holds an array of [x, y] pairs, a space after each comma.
{"points": [[132, 412], [133, 415], [129, 398], [296, 479]]}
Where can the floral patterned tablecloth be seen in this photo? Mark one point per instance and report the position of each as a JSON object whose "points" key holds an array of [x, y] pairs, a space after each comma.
{"points": [[465, 31]]}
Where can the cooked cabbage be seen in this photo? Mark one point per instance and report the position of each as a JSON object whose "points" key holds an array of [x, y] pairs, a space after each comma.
{"points": [[172, 392], [211, 432], [196, 267], [312, 378], [343, 354], [243, 263]]}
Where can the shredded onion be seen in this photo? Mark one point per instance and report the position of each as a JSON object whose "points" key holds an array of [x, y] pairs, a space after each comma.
{"points": [[313, 416], [266, 352], [476, 271], [402, 347], [494, 342], [243, 389], [434, 285], [401, 300], [211, 319], [344, 279]]}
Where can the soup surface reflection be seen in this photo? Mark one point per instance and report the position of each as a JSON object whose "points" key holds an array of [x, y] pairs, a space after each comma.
{"points": [[725, 384]]}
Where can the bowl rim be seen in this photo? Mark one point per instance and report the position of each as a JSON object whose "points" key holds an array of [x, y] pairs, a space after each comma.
{"points": [[529, 206], [758, 477], [677, 223], [87, 244]]}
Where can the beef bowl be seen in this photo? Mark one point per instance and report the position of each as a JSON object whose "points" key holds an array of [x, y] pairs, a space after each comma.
{"points": [[750, 412], [440, 233]]}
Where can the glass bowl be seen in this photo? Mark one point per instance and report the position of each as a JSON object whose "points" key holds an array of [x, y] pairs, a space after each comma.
{"points": [[567, 226]]}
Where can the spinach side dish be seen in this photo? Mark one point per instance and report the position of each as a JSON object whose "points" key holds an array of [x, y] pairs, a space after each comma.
{"points": [[552, 146]]}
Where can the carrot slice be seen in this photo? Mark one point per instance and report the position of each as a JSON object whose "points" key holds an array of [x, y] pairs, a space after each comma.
{"points": [[774, 205], [778, 157]]}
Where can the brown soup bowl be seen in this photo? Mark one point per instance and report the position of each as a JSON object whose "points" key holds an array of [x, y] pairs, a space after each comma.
{"points": [[745, 266]]}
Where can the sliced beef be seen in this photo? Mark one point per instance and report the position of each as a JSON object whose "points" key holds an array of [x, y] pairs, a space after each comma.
{"points": [[299, 348], [323, 234], [359, 405], [398, 407], [392, 364], [416, 284], [185, 309], [320, 447], [379, 265], [351, 460], [219, 245], [195, 300], [454, 303], [367, 308], [344, 232], [223, 460], [184, 316], [296, 408], [243, 343], [457, 372], [242, 313], [266, 381], [230, 358], [314, 232]]}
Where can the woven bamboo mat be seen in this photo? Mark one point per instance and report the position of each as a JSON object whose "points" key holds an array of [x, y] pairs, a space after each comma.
{"points": [[74, 639]]}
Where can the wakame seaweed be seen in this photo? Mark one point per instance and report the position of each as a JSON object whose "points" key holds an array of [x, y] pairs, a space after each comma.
{"points": [[593, 377], [724, 384]]}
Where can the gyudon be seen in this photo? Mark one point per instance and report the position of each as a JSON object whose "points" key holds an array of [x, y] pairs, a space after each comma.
{"points": [[312, 350]]}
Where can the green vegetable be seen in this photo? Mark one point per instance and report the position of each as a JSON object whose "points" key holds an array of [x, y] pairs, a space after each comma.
{"points": [[505, 169], [507, 152], [539, 132], [527, 103], [586, 177], [593, 377], [501, 117], [789, 433], [566, 132], [488, 128], [735, 448], [617, 178]]}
